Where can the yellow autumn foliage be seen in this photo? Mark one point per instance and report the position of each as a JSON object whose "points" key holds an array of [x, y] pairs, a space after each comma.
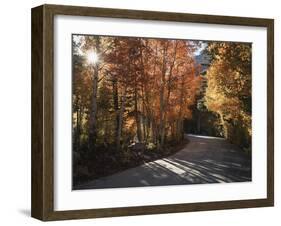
{"points": [[228, 90]]}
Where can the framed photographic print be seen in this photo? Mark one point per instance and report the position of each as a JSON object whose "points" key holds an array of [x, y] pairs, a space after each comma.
{"points": [[141, 112]]}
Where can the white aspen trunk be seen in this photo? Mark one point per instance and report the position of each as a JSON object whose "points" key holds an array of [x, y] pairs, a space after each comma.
{"points": [[93, 110]]}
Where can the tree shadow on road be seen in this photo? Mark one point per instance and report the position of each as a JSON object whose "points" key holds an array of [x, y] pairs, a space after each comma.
{"points": [[174, 171]]}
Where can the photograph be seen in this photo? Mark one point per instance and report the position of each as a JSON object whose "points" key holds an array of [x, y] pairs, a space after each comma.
{"points": [[138, 112], [150, 111]]}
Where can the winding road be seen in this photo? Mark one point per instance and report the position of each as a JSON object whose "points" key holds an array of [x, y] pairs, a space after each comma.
{"points": [[203, 160]]}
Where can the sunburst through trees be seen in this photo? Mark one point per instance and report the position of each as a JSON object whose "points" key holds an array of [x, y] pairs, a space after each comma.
{"points": [[134, 99]]}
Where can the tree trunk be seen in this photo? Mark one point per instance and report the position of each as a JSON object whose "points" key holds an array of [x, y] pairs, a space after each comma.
{"points": [[199, 122], [79, 125], [180, 134], [93, 112], [137, 118], [180, 117], [144, 118], [162, 100], [120, 120], [116, 108], [76, 131], [162, 119], [169, 84]]}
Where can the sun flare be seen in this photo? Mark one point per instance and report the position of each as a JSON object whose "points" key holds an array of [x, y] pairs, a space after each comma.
{"points": [[92, 57]]}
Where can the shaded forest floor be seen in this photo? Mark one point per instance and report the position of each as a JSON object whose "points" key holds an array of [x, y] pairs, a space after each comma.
{"points": [[203, 160], [106, 161]]}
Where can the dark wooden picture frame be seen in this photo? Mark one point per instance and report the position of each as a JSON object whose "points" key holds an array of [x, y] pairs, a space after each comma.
{"points": [[42, 205]]}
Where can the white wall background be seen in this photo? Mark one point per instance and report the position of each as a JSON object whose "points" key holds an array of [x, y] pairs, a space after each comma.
{"points": [[15, 112]]}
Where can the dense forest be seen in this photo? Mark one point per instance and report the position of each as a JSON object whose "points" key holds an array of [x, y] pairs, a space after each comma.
{"points": [[134, 98]]}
